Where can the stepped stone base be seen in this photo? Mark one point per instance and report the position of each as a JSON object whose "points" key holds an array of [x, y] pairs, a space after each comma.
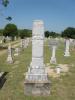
{"points": [[9, 60], [53, 60], [41, 88], [67, 54]]}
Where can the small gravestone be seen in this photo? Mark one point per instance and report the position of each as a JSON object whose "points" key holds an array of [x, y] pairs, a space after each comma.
{"points": [[9, 58], [58, 69], [16, 52], [53, 44], [67, 53], [1, 41], [22, 43], [15, 38], [73, 43], [28, 40], [25, 43]]}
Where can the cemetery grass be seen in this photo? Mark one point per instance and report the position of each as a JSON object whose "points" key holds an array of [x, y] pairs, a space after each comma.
{"points": [[62, 88]]}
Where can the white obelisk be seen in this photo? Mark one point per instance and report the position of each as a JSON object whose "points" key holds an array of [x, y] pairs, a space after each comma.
{"points": [[36, 73]]}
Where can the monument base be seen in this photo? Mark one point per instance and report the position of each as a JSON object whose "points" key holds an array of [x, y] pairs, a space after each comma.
{"points": [[9, 60], [37, 88], [67, 54], [15, 54], [53, 60]]}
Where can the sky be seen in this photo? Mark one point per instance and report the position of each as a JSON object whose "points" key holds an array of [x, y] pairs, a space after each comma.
{"points": [[56, 14]]}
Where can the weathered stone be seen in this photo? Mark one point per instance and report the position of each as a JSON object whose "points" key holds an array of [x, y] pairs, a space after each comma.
{"points": [[53, 58], [53, 43], [67, 53], [9, 58], [36, 78], [16, 52]]}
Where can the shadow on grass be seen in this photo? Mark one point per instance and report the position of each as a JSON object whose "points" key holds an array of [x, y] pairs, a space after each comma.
{"points": [[3, 79]]}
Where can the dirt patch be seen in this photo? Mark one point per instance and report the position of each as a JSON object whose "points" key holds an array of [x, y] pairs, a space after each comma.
{"points": [[52, 70]]}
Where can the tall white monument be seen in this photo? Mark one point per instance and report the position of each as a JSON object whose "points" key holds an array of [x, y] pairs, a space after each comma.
{"points": [[67, 53], [9, 58], [36, 80]]}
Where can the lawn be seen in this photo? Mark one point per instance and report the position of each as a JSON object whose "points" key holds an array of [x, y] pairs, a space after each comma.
{"points": [[62, 88]]}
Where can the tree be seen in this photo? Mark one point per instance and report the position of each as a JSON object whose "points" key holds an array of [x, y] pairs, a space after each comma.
{"points": [[25, 33], [5, 3], [10, 30], [9, 18], [1, 32], [69, 33], [47, 34], [54, 34]]}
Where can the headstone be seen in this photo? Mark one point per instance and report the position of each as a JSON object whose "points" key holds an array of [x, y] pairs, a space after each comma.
{"points": [[53, 44], [1, 41], [53, 58], [9, 58], [16, 52], [22, 43], [15, 38], [25, 43], [67, 53], [36, 80], [71, 40], [58, 70]]}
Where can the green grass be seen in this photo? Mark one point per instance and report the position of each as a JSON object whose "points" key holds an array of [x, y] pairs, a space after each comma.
{"points": [[62, 88]]}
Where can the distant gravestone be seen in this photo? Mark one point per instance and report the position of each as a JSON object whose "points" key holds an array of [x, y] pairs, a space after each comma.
{"points": [[1, 41], [28, 40], [15, 38], [25, 43], [22, 43], [36, 80], [67, 53], [9, 58], [53, 44], [58, 69], [16, 52]]}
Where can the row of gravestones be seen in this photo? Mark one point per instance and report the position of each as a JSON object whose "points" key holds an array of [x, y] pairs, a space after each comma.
{"points": [[4, 39], [8, 39], [36, 78], [53, 44], [24, 44]]}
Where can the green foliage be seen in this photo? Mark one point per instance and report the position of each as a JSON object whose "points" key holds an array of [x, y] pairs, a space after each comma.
{"points": [[10, 30], [47, 34], [54, 34], [5, 3], [51, 34], [1, 32], [9, 18], [25, 33], [69, 33]]}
